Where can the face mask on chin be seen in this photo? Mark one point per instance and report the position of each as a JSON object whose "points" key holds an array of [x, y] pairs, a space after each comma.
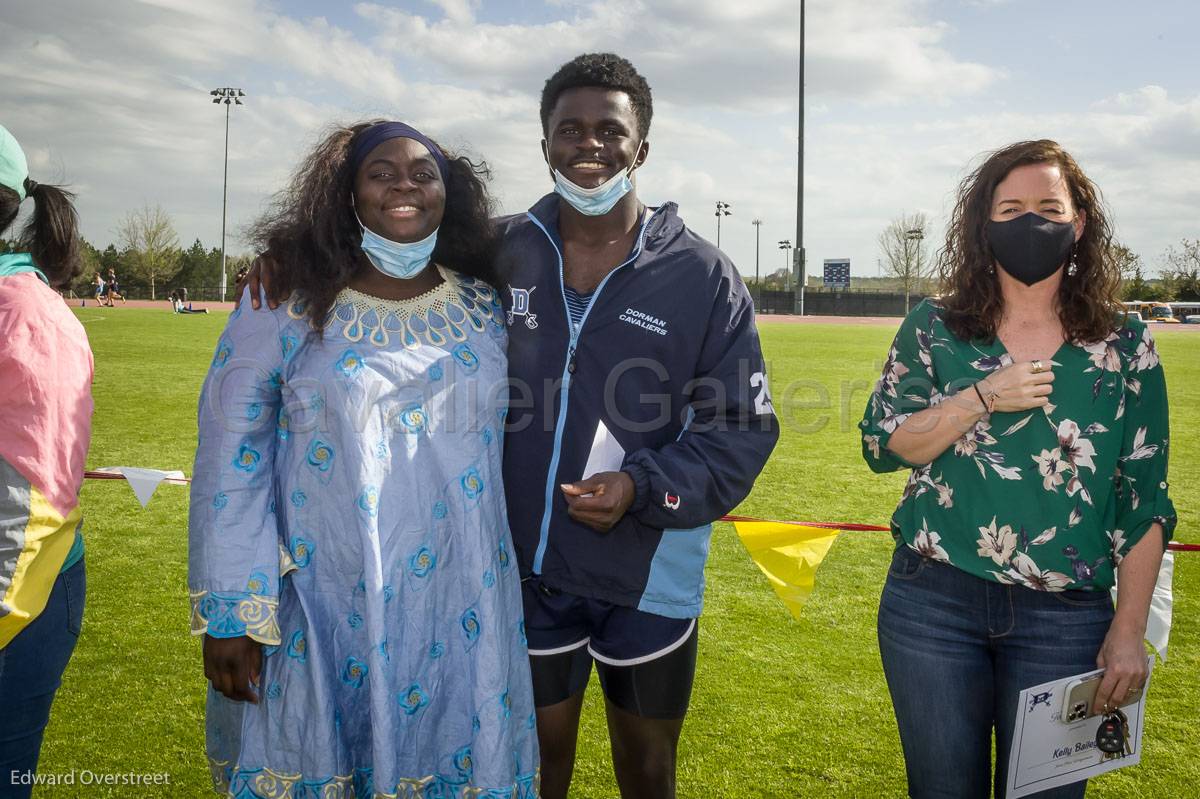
{"points": [[593, 202], [403, 260], [599, 200], [1031, 247]]}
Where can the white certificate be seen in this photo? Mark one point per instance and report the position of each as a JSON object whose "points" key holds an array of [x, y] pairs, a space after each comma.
{"points": [[1047, 753]]}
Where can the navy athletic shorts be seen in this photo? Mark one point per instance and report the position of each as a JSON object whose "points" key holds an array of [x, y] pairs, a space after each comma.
{"points": [[645, 662]]}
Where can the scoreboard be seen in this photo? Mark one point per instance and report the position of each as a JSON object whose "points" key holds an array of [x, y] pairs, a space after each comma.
{"points": [[837, 273]]}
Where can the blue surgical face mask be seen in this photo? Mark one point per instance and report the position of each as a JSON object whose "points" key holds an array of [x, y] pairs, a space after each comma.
{"points": [[397, 258], [598, 201]]}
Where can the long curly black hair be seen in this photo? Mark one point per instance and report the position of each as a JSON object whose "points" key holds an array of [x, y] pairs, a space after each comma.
{"points": [[313, 236]]}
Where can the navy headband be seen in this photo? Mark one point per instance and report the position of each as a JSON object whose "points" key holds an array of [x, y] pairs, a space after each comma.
{"points": [[376, 135]]}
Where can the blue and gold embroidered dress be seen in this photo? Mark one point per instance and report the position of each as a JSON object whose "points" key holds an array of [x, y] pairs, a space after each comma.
{"points": [[347, 512]]}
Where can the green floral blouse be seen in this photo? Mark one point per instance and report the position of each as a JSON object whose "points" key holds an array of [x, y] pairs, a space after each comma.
{"points": [[1051, 498]]}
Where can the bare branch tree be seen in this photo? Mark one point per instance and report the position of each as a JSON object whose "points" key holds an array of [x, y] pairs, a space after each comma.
{"points": [[902, 244], [151, 246], [1133, 279], [1182, 270], [1127, 261]]}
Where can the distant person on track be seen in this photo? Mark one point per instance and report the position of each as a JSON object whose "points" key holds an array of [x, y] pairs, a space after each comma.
{"points": [[45, 428], [113, 290], [180, 305], [99, 289]]}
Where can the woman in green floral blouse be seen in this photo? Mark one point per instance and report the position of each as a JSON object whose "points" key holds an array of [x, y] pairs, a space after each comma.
{"points": [[1033, 416]]}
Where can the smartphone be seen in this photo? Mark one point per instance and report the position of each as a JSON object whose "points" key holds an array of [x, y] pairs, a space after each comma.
{"points": [[1077, 702]]}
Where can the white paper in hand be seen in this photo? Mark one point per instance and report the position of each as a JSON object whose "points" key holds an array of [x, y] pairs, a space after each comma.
{"points": [[1047, 753], [607, 454]]}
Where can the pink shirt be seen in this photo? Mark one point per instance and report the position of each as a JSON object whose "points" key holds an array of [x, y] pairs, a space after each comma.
{"points": [[45, 429]]}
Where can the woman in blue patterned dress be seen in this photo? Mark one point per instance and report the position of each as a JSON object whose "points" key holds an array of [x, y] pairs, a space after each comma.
{"points": [[350, 561]]}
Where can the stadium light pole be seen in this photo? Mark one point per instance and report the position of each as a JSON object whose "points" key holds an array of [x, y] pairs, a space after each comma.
{"points": [[722, 210], [916, 234], [757, 231], [786, 246], [228, 96], [801, 253]]}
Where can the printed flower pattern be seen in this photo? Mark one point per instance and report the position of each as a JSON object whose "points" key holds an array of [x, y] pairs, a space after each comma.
{"points": [[422, 562], [997, 543], [1051, 466], [247, 458], [1074, 494], [350, 364], [302, 437], [320, 455], [414, 699], [1023, 571], [1145, 357], [976, 444], [354, 672], [926, 542]]}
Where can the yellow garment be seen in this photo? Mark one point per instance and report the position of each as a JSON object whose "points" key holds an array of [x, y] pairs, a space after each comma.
{"points": [[48, 537], [789, 555]]}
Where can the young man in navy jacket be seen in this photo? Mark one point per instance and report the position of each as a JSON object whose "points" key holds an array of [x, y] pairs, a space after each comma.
{"points": [[639, 415]]}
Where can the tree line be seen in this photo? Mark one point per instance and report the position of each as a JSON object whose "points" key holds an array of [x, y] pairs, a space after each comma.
{"points": [[149, 261], [905, 256]]}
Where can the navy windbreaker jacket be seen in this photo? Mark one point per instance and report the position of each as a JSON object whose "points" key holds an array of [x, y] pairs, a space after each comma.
{"points": [[664, 379]]}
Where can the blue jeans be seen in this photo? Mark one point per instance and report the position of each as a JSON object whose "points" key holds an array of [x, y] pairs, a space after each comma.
{"points": [[31, 669], [957, 651]]}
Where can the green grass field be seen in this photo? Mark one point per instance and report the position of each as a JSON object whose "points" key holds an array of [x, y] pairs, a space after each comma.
{"points": [[780, 708]]}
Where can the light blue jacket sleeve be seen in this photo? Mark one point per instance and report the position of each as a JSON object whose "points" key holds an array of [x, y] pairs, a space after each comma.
{"points": [[233, 537]]}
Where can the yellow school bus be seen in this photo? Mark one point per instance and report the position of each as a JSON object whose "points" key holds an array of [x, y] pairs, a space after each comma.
{"points": [[1150, 311]]}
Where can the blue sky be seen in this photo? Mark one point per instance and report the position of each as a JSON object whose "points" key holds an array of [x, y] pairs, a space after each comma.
{"points": [[902, 95]]}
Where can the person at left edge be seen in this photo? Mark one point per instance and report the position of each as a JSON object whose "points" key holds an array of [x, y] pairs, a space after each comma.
{"points": [[45, 428], [659, 427]]}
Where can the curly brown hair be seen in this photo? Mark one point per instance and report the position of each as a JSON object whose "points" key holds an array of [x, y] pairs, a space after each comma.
{"points": [[312, 234], [970, 290]]}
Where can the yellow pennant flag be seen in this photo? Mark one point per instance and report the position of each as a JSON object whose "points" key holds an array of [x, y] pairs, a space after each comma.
{"points": [[789, 555]]}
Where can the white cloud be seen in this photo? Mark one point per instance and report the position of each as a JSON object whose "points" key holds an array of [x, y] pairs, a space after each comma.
{"points": [[115, 102], [461, 11], [1134, 146], [885, 51], [709, 52]]}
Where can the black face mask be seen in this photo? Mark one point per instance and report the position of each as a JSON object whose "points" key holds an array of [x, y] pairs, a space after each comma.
{"points": [[1031, 248]]}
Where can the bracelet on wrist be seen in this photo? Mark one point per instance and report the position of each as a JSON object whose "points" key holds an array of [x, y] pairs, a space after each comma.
{"points": [[989, 401]]}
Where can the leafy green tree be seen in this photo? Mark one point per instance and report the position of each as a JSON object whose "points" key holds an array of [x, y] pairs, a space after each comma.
{"points": [[199, 267], [82, 285]]}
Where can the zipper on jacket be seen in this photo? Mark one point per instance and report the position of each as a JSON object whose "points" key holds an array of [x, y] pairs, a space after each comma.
{"points": [[568, 372]]}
